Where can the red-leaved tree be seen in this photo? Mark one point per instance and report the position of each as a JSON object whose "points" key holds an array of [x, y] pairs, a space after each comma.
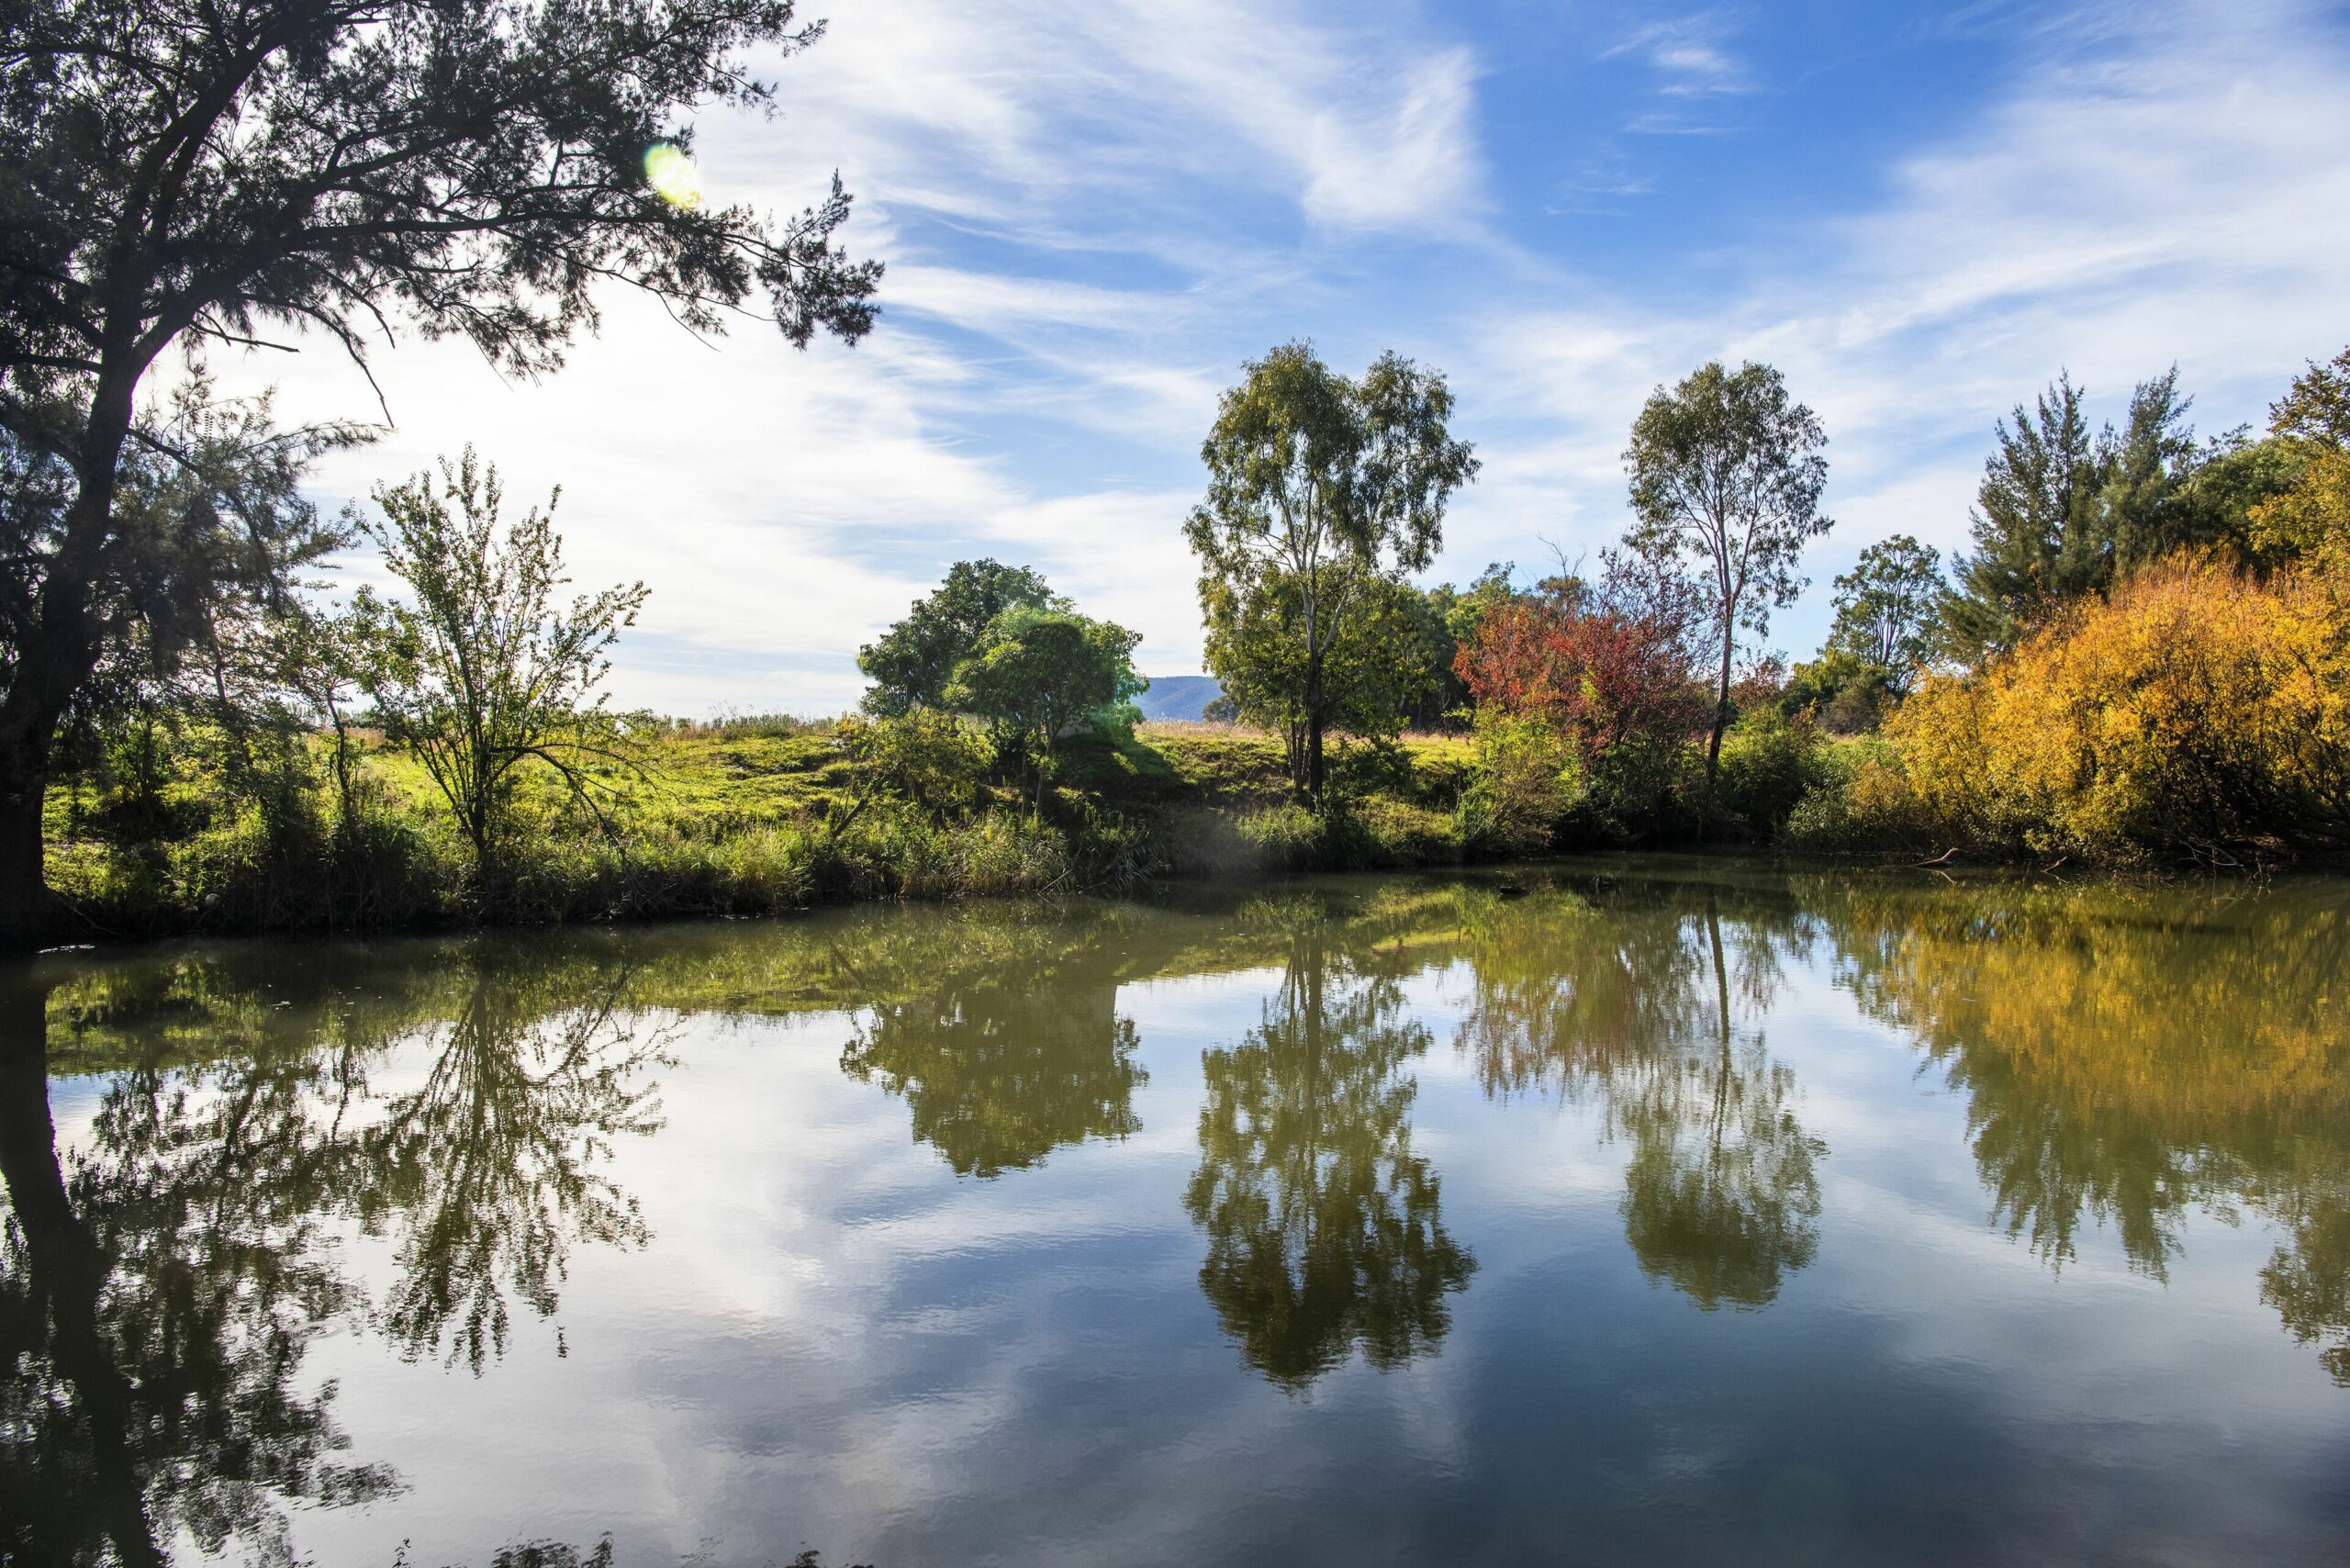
{"points": [[1610, 666]]}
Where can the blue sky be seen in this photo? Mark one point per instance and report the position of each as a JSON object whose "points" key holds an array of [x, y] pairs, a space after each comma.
{"points": [[1094, 210]]}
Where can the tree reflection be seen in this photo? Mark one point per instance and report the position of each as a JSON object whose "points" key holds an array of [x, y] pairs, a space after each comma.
{"points": [[491, 1170], [1720, 1196], [163, 1273], [1324, 1227], [1003, 1063], [1638, 1004], [157, 1295], [2130, 1053]]}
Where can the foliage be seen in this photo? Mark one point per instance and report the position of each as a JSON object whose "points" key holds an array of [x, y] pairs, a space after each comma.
{"points": [[913, 661], [175, 172], [1037, 674], [1770, 762], [1609, 666], [934, 760], [1726, 478], [1443, 618], [2197, 713], [1319, 486], [2063, 513], [484, 673], [2309, 518], [1530, 775], [1373, 665], [1839, 691], [173, 620], [1886, 607], [1607, 669]]}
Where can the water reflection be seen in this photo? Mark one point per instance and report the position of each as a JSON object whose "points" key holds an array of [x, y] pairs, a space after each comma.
{"points": [[157, 1295], [1013, 1051], [162, 1277], [2131, 1060], [1653, 1009], [490, 1171], [1325, 1229], [2129, 1054]]}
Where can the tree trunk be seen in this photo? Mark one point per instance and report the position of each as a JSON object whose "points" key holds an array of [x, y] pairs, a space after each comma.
{"points": [[26, 907], [60, 651], [1314, 771], [1721, 711], [68, 1274]]}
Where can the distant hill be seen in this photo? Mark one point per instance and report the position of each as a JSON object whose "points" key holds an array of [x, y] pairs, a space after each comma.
{"points": [[1177, 696]]}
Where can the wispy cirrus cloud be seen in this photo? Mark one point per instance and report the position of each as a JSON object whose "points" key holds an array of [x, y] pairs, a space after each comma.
{"points": [[1691, 54]]}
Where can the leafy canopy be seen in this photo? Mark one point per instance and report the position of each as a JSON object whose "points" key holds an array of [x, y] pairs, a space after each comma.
{"points": [[1886, 607], [1376, 668], [2064, 511], [1727, 473], [2311, 515], [1038, 674], [179, 171], [913, 662], [177, 167], [1318, 487]]}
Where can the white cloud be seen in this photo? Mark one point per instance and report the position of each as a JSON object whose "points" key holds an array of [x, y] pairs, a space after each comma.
{"points": [[1409, 161]]}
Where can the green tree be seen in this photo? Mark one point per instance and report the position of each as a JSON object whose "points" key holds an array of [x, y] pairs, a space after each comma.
{"points": [[483, 674], [1886, 607], [1443, 618], [912, 663], [2036, 501], [1375, 668], [177, 170], [2062, 510], [2309, 515], [1319, 486], [934, 760], [1037, 675], [2143, 511], [210, 535], [1726, 476]]}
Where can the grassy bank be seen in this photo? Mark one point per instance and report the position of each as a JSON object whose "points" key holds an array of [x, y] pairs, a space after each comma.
{"points": [[740, 818]]}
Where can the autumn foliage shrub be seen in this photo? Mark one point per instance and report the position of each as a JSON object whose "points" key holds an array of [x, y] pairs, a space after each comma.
{"points": [[1585, 705], [2195, 709]]}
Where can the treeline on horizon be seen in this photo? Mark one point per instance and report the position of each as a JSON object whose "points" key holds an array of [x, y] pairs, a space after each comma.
{"points": [[2143, 658]]}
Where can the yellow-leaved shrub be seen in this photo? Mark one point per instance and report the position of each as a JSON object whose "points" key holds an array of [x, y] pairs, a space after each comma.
{"points": [[2195, 708]]}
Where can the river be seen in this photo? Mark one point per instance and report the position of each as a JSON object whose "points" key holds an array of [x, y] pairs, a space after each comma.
{"points": [[1636, 1210]]}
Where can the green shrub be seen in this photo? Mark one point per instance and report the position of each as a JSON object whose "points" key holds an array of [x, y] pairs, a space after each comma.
{"points": [[1769, 763]]}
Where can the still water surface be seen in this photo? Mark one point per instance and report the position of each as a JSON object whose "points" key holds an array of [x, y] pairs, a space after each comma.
{"points": [[1674, 1212]]}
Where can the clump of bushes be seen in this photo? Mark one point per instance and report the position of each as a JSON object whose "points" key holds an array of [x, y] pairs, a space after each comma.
{"points": [[2197, 712]]}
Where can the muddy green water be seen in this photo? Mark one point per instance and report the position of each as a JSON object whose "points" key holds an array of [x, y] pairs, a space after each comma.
{"points": [[1672, 1212]]}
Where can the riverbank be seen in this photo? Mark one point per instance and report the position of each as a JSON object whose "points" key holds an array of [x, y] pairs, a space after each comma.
{"points": [[746, 818]]}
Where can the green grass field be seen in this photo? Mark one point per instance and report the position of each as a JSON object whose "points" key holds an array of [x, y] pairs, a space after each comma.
{"points": [[731, 819]]}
